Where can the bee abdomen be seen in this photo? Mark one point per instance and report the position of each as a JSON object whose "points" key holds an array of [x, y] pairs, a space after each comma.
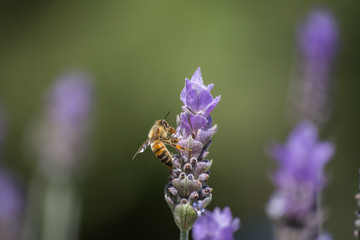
{"points": [[162, 153]]}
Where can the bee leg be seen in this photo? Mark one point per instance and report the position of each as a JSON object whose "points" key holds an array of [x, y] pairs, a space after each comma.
{"points": [[172, 130], [170, 140], [177, 146], [173, 143]]}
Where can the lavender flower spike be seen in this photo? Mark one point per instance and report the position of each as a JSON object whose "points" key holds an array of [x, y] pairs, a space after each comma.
{"points": [[299, 180], [61, 136], [12, 206], [66, 123], [187, 192], [318, 37], [318, 40], [357, 214], [216, 225]]}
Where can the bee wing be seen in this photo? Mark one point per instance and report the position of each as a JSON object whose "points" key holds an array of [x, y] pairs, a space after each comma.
{"points": [[142, 148]]}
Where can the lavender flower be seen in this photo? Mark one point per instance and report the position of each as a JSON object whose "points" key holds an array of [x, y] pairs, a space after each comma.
{"points": [[318, 38], [198, 104], [64, 130], [70, 99], [11, 207], [187, 192], [61, 138], [325, 236], [357, 214], [216, 225], [298, 181]]}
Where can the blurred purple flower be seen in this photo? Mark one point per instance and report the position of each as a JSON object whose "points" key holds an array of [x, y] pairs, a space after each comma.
{"points": [[325, 236], [71, 99], [357, 214], [11, 207], [299, 181], [64, 130], [300, 176], [318, 40], [318, 36], [216, 225]]}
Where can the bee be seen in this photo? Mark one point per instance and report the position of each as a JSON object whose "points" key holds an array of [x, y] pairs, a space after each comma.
{"points": [[160, 134]]}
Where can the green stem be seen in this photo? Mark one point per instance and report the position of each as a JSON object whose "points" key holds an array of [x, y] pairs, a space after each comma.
{"points": [[61, 211], [184, 234]]}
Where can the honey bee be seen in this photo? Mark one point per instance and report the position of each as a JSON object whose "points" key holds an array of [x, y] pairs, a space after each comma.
{"points": [[160, 134]]}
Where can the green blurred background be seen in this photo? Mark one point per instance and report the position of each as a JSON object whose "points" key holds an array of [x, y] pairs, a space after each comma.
{"points": [[139, 53]]}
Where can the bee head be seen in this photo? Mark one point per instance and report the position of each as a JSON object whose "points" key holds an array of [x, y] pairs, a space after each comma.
{"points": [[163, 123]]}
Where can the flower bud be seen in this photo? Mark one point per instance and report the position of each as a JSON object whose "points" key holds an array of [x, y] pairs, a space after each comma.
{"points": [[202, 167], [184, 216]]}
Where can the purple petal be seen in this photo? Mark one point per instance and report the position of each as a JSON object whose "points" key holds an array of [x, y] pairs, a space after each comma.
{"points": [[198, 99], [204, 99], [225, 234], [226, 215], [197, 122], [186, 89], [205, 134], [200, 230], [185, 125], [304, 134], [235, 225], [192, 100], [209, 123], [320, 156], [210, 86], [322, 153], [196, 77], [211, 106]]}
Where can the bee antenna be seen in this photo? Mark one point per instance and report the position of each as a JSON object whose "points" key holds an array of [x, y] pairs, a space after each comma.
{"points": [[167, 115]]}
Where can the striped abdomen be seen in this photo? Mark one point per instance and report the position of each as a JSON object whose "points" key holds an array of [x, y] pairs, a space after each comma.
{"points": [[162, 153]]}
